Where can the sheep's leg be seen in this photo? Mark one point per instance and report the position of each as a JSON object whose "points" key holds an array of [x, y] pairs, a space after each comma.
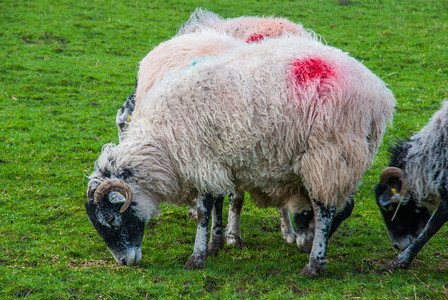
{"points": [[342, 215], [288, 233], [437, 220], [233, 233], [323, 217], [204, 209], [217, 239], [304, 232], [305, 225]]}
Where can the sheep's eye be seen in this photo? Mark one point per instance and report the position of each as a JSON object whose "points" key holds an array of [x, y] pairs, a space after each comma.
{"points": [[110, 219], [122, 125]]}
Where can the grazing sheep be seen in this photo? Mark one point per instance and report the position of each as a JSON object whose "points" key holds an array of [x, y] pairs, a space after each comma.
{"points": [[180, 52], [413, 187], [271, 118], [172, 56], [196, 40]]}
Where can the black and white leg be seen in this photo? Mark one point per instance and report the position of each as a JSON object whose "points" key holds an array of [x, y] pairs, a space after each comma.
{"points": [[323, 218], [305, 225], [217, 239], [204, 209], [437, 220], [233, 233], [288, 233]]}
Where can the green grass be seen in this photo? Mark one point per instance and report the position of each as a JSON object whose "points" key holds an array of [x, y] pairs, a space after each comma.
{"points": [[65, 69]]}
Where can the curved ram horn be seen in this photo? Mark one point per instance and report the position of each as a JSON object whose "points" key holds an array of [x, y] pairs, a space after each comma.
{"points": [[114, 185], [88, 190], [390, 172]]}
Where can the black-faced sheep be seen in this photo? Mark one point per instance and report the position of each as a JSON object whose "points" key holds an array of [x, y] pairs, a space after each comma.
{"points": [[271, 118], [413, 187]]}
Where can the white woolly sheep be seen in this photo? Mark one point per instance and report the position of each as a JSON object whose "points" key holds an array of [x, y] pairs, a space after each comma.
{"points": [[275, 118], [413, 187]]}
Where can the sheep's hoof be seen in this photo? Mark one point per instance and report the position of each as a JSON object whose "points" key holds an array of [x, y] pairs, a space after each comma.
{"points": [[314, 269], [305, 242], [195, 262], [234, 240], [289, 238], [215, 245], [395, 265], [192, 213]]}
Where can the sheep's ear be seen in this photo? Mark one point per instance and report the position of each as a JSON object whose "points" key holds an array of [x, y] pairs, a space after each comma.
{"points": [[116, 197]]}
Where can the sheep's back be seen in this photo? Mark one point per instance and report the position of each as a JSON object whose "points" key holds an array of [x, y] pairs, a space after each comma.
{"points": [[179, 53], [427, 157]]}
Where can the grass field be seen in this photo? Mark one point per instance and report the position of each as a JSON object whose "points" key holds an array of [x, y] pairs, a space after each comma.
{"points": [[65, 69]]}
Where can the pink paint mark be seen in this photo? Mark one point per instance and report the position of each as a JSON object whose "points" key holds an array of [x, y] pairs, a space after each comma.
{"points": [[310, 79], [255, 38], [310, 70]]}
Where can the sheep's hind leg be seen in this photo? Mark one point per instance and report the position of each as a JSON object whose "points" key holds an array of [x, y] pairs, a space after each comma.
{"points": [[217, 239], [204, 209], [323, 217], [437, 220], [304, 230], [305, 225], [233, 233], [287, 229], [342, 215]]}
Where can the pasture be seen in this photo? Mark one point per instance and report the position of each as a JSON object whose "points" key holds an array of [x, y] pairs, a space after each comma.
{"points": [[65, 69]]}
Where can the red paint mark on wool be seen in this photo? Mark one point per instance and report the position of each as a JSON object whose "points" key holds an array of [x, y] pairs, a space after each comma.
{"points": [[255, 38], [310, 70]]}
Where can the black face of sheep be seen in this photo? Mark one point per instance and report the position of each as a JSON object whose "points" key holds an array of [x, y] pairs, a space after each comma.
{"points": [[403, 217], [117, 224]]}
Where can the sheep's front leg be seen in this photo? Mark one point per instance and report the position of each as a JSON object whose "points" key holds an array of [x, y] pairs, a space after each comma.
{"points": [[233, 233], [437, 220], [288, 233], [323, 218], [204, 209], [217, 239]]}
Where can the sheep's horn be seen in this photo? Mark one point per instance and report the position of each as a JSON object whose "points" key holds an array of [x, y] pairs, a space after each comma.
{"points": [[88, 190], [395, 172], [114, 185]]}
